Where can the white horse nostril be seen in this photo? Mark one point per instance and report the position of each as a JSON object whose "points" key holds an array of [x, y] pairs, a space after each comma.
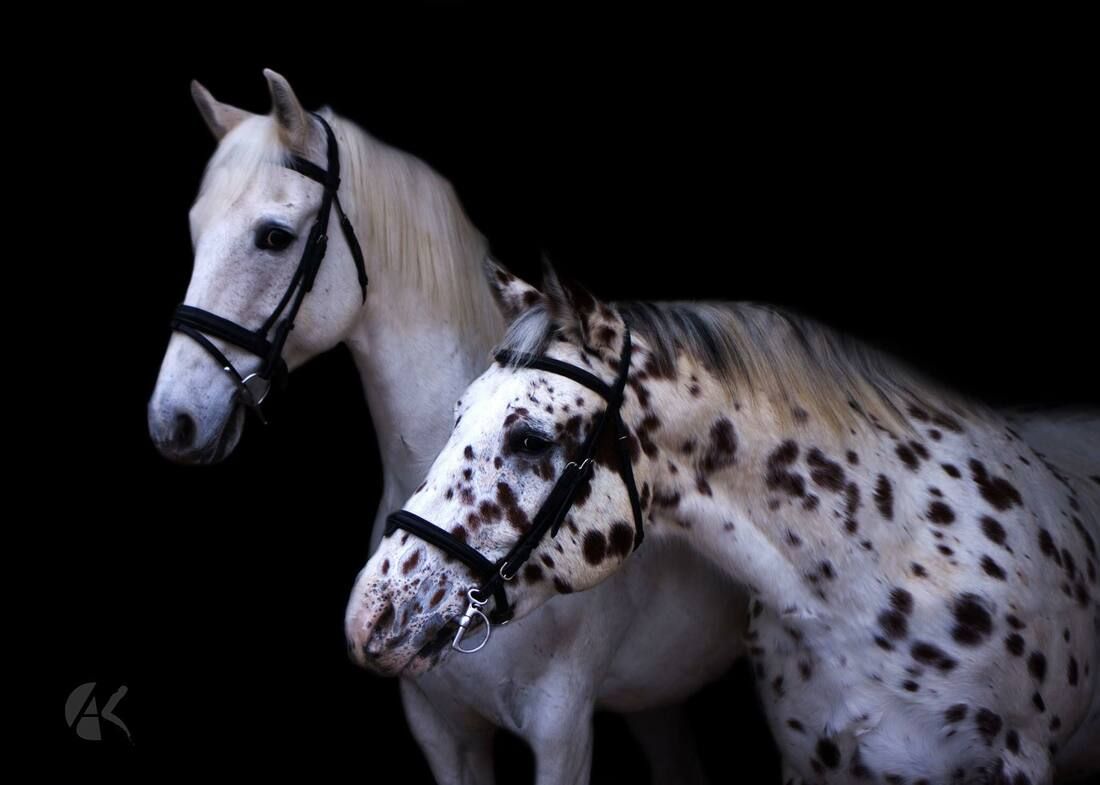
{"points": [[183, 431]]}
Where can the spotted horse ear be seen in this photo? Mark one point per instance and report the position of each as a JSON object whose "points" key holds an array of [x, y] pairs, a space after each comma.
{"points": [[580, 316], [513, 295]]}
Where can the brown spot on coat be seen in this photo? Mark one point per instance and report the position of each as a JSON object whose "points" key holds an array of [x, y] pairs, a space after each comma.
{"points": [[940, 513], [884, 497], [507, 500], [594, 547], [1037, 666], [778, 476], [490, 511], [932, 655], [721, 449], [996, 490], [1090, 544], [993, 530], [955, 713], [620, 539], [1048, 548], [824, 472], [562, 586], [973, 622], [988, 723], [992, 569], [1014, 643], [908, 457]]}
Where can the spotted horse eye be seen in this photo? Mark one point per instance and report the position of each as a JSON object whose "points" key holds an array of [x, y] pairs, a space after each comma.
{"points": [[529, 443]]}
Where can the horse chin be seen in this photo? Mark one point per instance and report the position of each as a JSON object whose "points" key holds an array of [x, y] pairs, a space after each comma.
{"points": [[430, 654], [433, 652], [229, 435], [216, 449]]}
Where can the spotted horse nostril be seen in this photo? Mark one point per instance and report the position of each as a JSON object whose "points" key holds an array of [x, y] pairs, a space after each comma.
{"points": [[183, 431], [379, 634]]}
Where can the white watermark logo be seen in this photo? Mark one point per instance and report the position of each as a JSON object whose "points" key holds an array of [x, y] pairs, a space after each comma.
{"points": [[83, 716]]}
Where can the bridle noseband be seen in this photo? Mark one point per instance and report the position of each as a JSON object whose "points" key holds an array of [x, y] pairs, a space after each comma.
{"points": [[494, 575], [198, 324]]}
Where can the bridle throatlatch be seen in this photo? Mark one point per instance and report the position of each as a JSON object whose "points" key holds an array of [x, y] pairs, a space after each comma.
{"points": [[494, 575], [198, 324]]}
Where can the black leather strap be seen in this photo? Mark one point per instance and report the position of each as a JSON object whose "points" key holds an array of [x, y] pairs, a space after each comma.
{"points": [[330, 180], [579, 375], [445, 541], [206, 322]]}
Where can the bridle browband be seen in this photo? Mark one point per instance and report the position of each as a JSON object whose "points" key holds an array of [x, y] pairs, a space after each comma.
{"points": [[198, 324], [494, 575]]}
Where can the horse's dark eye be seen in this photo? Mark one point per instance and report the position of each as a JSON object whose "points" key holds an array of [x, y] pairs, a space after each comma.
{"points": [[272, 238], [529, 443]]}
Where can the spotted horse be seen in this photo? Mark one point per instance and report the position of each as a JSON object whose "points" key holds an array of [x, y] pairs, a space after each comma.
{"points": [[404, 280], [923, 574]]}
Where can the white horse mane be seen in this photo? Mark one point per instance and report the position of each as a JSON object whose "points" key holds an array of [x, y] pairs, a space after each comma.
{"points": [[770, 354], [407, 217]]}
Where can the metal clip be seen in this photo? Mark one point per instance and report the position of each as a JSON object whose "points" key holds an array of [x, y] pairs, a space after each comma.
{"points": [[464, 624]]}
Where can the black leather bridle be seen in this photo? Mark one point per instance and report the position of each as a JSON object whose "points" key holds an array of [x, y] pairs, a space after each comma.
{"points": [[198, 324], [494, 575]]}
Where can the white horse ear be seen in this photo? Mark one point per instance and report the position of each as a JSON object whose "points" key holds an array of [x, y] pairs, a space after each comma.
{"points": [[291, 118], [513, 295], [220, 118]]}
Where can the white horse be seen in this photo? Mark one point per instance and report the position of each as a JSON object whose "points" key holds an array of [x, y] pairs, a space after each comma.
{"points": [[924, 579], [422, 334]]}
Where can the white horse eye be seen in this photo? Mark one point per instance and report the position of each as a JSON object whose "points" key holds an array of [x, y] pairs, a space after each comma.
{"points": [[273, 238]]}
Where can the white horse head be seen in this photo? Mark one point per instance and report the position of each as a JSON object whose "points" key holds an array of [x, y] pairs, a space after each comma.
{"points": [[516, 430], [249, 226]]}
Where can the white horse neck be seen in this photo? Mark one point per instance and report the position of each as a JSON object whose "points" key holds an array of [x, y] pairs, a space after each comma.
{"points": [[430, 319]]}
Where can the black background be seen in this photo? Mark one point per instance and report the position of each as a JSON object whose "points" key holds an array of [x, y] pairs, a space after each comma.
{"points": [[929, 187]]}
